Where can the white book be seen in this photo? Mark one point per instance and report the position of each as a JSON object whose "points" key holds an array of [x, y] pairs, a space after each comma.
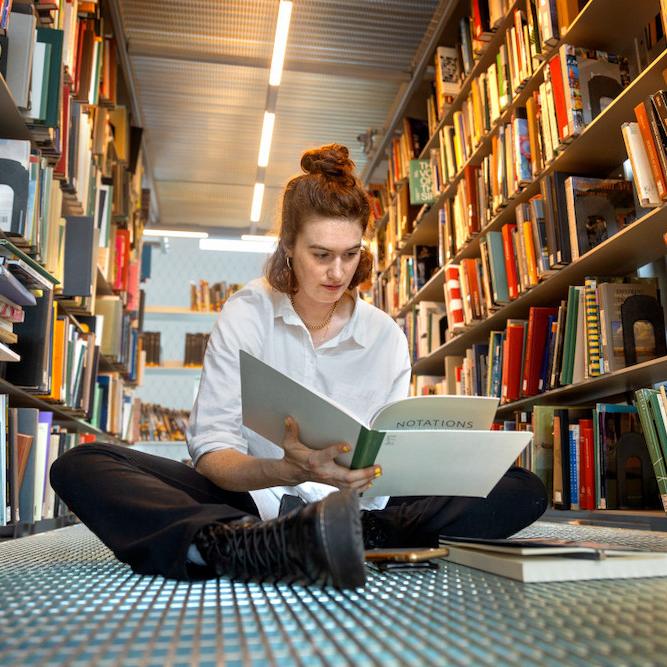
{"points": [[426, 445], [645, 185], [40, 468], [537, 560], [21, 38], [38, 76]]}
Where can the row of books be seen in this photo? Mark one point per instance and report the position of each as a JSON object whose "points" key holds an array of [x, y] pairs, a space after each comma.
{"points": [[160, 423], [405, 277], [601, 457], [425, 328], [195, 348], [151, 341], [210, 298], [29, 443], [580, 339]]}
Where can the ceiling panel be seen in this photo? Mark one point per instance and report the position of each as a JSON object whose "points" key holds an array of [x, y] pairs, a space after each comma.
{"points": [[201, 75]]}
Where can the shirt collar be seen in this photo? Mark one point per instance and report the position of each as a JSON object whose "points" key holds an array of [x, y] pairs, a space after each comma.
{"points": [[282, 307]]}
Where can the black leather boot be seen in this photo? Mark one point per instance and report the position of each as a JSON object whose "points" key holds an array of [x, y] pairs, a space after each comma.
{"points": [[320, 543]]}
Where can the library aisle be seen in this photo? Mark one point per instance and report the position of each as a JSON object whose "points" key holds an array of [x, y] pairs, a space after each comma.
{"points": [[513, 154]]}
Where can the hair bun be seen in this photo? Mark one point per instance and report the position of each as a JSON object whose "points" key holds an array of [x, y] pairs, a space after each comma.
{"points": [[332, 160]]}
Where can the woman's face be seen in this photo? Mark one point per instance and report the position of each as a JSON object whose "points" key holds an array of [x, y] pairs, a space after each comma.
{"points": [[325, 256]]}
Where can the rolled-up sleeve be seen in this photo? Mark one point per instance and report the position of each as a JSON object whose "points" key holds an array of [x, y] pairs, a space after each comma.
{"points": [[215, 420]]}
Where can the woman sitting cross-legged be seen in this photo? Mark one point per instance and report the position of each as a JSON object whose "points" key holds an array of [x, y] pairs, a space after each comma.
{"points": [[250, 509]]}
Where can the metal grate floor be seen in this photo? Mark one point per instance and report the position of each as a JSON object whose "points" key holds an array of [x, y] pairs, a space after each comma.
{"points": [[65, 600]]}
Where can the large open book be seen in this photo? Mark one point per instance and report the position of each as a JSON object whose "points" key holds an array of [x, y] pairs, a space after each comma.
{"points": [[426, 445], [537, 559]]}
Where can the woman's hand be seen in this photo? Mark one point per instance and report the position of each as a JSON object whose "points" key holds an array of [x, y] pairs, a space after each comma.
{"points": [[304, 464]]}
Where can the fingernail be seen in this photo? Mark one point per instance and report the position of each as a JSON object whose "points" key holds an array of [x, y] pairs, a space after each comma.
{"points": [[378, 472], [286, 421]]}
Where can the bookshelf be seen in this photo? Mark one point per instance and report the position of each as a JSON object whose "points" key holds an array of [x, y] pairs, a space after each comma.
{"points": [[176, 312], [61, 415], [597, 150], [80, 148], [636, 245], [594, 149], [603, 386]]}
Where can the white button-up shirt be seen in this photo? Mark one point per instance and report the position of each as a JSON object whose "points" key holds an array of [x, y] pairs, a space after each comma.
{"points": [[363, 367]]}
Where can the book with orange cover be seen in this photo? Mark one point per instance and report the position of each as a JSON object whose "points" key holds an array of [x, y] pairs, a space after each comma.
{"points": [[651, 149]]}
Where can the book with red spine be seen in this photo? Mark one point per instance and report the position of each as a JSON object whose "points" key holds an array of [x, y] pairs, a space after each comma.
{"points": [[471, 176], [538, 322], [556, 71], [453, 297], [586, 465], [512, 360], [510, 261]]}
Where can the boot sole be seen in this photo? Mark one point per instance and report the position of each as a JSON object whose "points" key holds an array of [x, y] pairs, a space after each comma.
{"points": [[342, 538]]}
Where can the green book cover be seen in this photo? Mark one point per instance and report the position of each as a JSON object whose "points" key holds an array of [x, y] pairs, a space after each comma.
{"points": [[368, 446], [652, 442], [567, 366], [660, 426], [421, 182], [54, 84]]}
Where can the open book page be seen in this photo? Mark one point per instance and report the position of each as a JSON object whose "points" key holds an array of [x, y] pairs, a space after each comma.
{"points": [[436, 412], [445, 463], [268, 397]]}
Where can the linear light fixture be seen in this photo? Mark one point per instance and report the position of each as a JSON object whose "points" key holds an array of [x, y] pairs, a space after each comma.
{"points": [[257, 198], [262, 238], [265, 141], [175, 232], [280, 42], [237, 245]]}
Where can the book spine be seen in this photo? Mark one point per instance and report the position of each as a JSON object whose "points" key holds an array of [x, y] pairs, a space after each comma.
{"points": [[650, 435], [510, 261], [647, 189], [593, 341], [574, 466], [651, 151]]}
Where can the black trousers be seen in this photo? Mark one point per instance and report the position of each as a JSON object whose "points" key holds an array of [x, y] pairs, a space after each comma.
{"points": [[147, 509]]}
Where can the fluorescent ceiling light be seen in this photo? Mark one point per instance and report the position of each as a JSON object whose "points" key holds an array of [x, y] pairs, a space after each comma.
{"points": [[257, 197], [237, 245], [265, 141], [175, 232], [263, 238], [280, 43]]}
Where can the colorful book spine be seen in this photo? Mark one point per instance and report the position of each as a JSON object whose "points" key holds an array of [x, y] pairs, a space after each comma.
{"points": [[593, 339], [454, 300]]}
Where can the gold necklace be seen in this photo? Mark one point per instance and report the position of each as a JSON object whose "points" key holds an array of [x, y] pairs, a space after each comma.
{"points": [[315, 327]]}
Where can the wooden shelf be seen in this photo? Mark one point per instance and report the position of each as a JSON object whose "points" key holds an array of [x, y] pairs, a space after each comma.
{"points": [[12, 123], [636, 519], [638, 244], [608, 385], [62, 415], [173, 366]]}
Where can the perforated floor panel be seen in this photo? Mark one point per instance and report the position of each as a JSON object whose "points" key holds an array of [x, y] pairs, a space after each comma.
{"points": [[65, 600]]}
